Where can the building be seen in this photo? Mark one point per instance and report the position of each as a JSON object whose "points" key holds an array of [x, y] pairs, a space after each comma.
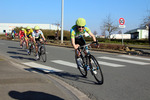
{"points": [[139, 33], [120, 36], [7, 27]]}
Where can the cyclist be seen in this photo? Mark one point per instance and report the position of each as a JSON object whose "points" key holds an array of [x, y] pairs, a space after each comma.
{"points": [[29, 32], [77, 32], [21, 36], [37, 34]]}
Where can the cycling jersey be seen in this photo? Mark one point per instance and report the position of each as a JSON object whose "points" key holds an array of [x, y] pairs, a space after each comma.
{"points": [[29, 33], [37, 35], [75, 33], [22, 34]]}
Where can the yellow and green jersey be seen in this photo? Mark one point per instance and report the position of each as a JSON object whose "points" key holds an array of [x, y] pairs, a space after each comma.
{"points": [[75, 33]]}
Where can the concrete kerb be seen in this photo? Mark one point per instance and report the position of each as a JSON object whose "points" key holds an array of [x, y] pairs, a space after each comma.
{"points": [[71, 91]]}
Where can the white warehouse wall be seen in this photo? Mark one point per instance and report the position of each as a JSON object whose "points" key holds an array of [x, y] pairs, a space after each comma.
{"points": [[9, 26]]}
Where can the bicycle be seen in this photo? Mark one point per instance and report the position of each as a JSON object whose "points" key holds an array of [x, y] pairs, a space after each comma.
{"points": [[31, 47], [42, 51], [89, 62], [23, 43]]}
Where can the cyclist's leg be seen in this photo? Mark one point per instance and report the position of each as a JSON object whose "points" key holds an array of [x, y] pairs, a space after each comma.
{"points": [[81, 42], [21, 40], [26, 40]]}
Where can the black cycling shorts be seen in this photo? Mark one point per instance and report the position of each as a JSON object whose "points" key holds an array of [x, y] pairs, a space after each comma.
{"points": [[80, 41]]}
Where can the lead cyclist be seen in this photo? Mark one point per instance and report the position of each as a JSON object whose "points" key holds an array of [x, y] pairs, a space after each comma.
{"points": [[36, 37], [77, 31]]}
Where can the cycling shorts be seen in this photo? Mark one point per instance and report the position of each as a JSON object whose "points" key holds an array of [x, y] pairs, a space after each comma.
{"points": [[37, 39], [80, 41], [28, 36]]}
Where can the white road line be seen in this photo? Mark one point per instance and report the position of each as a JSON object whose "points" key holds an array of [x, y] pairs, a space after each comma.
{"points": [[42, 67], [110, 64], [134, 57], [66, 63], [124, 60]]}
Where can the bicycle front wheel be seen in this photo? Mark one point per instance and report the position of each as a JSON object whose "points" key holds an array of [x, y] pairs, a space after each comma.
{"points": [[96, 70], [43, 53], [81, 67]]}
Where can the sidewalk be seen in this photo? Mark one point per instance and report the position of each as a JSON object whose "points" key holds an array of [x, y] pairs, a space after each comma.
{"points": [[19, 82]]}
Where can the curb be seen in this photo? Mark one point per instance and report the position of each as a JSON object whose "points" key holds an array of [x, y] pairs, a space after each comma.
{"points": [[72, 92]]}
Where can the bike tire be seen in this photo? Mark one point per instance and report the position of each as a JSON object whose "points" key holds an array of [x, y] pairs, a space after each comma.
{"points": [[96, 70], [43, 53], [29, 50], [83, 69]]}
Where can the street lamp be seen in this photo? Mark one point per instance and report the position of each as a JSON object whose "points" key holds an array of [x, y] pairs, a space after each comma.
{"points": [[62, 15]]}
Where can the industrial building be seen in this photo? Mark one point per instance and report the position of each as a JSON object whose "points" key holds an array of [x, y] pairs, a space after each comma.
{"points": [[139, 33], [7, 27]]}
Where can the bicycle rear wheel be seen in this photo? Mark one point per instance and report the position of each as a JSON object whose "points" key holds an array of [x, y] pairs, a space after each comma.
{"points": [[43, 53], [81, 67], [29, 53], [96, 70]]}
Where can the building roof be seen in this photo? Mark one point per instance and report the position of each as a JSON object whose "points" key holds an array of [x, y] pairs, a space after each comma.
{"points": [[135, 30]]}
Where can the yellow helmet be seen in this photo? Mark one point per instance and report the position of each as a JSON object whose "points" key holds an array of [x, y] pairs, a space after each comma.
{"points": [[36, 27], [28, 27], [80, 22], [22, 29]]}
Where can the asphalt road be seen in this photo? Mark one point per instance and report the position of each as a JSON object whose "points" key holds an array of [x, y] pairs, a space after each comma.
{"points": [[125, 77]]}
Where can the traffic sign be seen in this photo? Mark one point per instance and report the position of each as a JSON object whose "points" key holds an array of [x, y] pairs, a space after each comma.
{"points": [[121, 21], [122, 26]]}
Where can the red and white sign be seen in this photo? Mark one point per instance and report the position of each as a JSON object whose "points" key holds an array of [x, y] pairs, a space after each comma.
{"points": [[121, 21]]}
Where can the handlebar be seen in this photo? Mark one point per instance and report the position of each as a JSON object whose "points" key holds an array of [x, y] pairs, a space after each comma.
{"points": [[88, 44]]}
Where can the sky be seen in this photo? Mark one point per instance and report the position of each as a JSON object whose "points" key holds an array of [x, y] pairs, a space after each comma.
{"points": [[95, 12]]}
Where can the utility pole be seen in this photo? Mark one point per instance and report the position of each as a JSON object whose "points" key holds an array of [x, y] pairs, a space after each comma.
{"points": [[149, 34], [62, 19]]}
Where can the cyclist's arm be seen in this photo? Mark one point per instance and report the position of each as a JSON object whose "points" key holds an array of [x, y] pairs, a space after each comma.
{"points": [[75, 46], [92, 35], [43, 37]]}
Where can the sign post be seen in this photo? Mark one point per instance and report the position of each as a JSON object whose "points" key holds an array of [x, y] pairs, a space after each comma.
{"points": [[149, 34], [122, 22]]}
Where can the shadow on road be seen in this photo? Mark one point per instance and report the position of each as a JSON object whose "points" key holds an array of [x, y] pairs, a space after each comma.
{"points": [[65, 75], [20, 57], [32, 95], [12, 52], [14, 47]]}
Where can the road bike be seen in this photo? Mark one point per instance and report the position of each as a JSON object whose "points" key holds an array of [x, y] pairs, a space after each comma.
{"points": [[42, 51], [23, 43], [31, 47], [87, 62]]}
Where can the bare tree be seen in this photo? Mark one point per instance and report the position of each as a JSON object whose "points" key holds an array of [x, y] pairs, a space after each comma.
{"points": [[95, 33], [104, 33], [108, 26], [146, 20], [119, 32]]}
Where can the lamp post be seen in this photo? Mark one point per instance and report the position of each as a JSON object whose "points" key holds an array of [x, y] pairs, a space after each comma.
{"points": [[62, 19]]}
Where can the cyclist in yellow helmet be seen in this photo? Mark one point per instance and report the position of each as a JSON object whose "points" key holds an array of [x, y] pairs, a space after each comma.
{"points": [[29, 32], [37, 34], [77, 31]]}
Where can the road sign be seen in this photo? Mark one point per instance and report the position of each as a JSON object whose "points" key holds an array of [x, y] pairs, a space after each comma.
{"points": [[122, 26], [121, 21]]}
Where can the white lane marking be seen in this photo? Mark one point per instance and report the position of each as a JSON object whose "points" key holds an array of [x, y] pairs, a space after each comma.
{"points": [[124, 60], [110, 64], [42, 67], [66, 63], [134, 57]]}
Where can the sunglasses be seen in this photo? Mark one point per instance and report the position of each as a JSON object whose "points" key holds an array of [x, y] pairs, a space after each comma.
{"points": [[80, 26]]}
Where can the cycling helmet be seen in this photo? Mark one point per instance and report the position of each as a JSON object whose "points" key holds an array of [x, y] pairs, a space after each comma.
{"points": [[36, 27], [22, 29], [28, 27], [80, 22]]}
